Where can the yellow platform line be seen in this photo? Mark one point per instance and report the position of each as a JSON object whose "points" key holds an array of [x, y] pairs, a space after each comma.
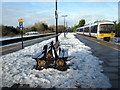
{"points": [[106, 45], [102, 43]]}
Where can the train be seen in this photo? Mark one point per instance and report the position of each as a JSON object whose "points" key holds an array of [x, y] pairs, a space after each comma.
{"points": [[101, 30]]}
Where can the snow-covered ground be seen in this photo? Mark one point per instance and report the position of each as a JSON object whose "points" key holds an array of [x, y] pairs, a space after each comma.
{"points": [[85, 69]]}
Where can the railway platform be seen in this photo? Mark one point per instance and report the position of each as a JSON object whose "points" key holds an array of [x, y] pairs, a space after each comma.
{"points": [[109, 54]]}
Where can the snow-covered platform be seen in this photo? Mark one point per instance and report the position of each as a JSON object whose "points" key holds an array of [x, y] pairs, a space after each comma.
{"points": [[85, 69]]}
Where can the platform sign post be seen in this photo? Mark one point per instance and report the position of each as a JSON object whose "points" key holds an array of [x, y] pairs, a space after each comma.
{"points": [[21, 29]]}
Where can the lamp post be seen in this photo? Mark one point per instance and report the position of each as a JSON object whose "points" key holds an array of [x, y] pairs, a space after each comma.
{"points": [[56, 16], [66, 27], [64, 23]]}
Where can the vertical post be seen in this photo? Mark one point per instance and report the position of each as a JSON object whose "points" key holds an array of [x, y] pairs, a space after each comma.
{"points": [[56, 16], [64, 27], [22, 36], [21, 29]]}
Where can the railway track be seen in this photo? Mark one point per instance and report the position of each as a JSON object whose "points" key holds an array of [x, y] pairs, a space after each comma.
{"points": [[25, 38], [17, 46]]}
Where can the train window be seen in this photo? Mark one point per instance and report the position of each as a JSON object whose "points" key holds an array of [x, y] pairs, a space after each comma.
{"points": [[77, 30], [86, 29], [107, 28], [94, 29], [81, 30]]}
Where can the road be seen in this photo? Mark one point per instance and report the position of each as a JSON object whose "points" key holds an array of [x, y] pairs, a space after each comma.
{"points": [[108, 53]]}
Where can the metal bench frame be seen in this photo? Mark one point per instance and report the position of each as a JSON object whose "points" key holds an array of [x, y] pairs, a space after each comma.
{"points": [[46, 58]]}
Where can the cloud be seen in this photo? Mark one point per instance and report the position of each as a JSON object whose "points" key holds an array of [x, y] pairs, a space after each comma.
{"points": [[45, 16], [11, 14], [89, 18], [37, 12]]}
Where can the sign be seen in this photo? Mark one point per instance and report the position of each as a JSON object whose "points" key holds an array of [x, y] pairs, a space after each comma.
{"points": [[21, 20], [103, 25], [20, 24], [56, 15]]}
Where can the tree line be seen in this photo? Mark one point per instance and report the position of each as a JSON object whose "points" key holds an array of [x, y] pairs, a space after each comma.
{"points": [[42, 28], [9, 30]]}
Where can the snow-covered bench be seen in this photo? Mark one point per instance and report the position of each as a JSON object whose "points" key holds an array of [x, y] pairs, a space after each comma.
{"points": [[61, 56], [61, 59], [49, 57], [45, 57]]}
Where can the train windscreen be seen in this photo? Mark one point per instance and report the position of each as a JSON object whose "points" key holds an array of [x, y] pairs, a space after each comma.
{"points": [[107, 28]]}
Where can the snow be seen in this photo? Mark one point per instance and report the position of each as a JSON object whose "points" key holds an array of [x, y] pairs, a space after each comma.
{"points": [[85, 70]]}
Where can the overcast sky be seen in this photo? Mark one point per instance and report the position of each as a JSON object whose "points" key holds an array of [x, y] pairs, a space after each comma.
{"points": [[41, 11]]}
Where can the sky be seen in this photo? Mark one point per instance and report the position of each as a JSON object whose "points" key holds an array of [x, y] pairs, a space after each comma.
{"points": [[119, 11], [60, 0], [43, 11]]}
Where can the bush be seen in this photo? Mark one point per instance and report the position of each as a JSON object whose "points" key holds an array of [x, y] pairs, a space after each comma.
{"points": [[9, 31]]}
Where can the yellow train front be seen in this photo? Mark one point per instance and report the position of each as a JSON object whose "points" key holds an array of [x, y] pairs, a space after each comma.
{"points": [[100, 30]]}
